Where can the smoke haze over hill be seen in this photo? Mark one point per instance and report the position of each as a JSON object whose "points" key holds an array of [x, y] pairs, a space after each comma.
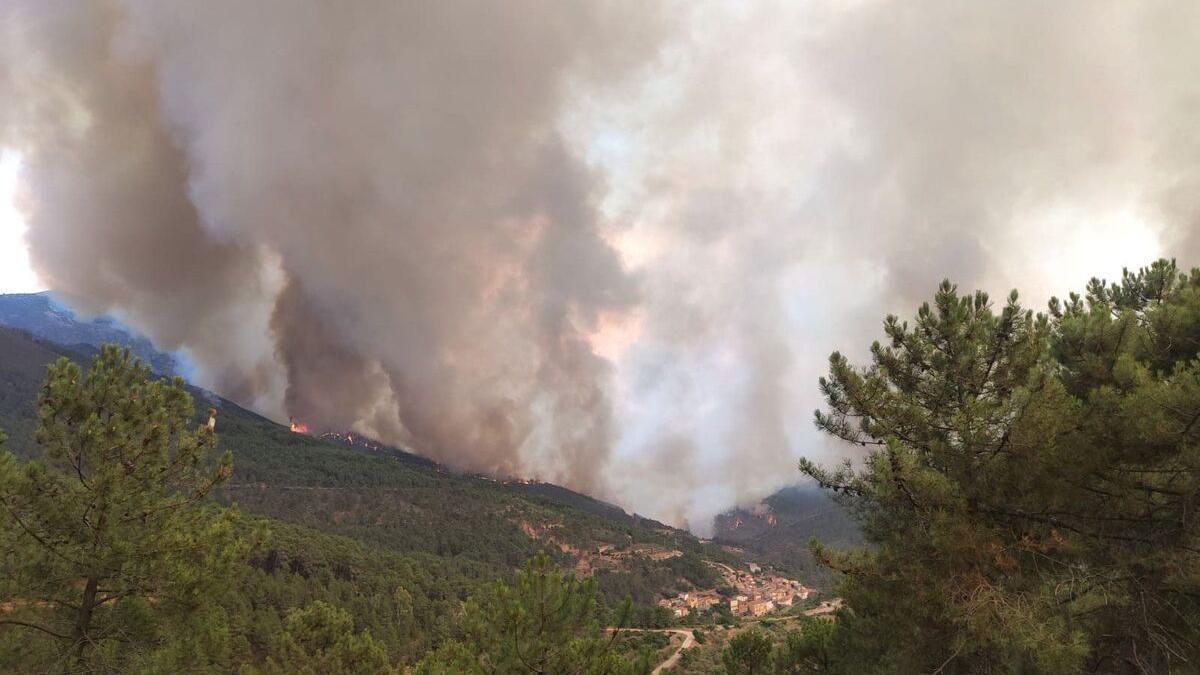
{"points": [[605, 244]]}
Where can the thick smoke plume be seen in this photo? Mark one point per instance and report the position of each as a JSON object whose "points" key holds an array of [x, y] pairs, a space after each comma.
{"points": [[379, 189], [605, 244]]}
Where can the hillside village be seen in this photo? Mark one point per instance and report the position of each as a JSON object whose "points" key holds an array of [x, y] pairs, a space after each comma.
{"points": [[749, 592], [755, 593]]}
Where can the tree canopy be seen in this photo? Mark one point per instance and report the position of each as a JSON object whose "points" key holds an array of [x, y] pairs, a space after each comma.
{"points": [[1027, 484], [320, 640], [748, 653], [544, 622], [109, 547]]}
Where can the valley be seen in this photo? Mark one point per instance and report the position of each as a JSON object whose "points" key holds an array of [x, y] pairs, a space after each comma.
{"points": [[401, 541]]}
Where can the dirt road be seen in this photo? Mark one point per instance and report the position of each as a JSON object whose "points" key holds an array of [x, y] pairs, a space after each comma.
{"points": [[689, 641]]}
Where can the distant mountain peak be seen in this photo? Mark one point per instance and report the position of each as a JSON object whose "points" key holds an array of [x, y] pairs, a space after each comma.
{"points": [[44, 317]]}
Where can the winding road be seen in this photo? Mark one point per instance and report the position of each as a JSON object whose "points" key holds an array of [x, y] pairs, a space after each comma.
{"points": [[689, 641]]}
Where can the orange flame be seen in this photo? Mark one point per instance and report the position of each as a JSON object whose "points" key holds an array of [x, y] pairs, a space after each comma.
{"points": [[298, 428]]}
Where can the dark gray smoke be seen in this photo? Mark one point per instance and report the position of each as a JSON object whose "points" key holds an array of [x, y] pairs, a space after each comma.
{"points": [[607, 244]]}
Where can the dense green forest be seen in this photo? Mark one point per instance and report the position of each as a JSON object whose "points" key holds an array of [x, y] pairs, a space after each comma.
{"points": [[396, 542]]}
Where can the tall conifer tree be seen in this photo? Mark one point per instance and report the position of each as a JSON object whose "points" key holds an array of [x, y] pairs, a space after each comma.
{"points": [[1029, 484], [110, 549]]}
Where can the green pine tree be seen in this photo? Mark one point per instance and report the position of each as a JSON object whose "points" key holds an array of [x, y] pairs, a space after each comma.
{"points": [[542, 623], [320, 640], [110, 549], [807, 650], [1028, 485], [748, 653]]}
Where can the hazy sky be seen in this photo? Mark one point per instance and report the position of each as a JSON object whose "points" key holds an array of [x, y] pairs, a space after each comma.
{"points": [[610, 245]]}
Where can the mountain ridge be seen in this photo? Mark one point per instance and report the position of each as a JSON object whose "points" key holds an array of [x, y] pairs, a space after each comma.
{"points": [[43, 317], [397, 539], [48, 320]]}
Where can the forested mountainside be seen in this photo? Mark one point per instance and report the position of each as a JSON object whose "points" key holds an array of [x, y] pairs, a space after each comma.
{"points": [[778, 530], [801, 513], [396, 540], [381, 496], [41, 316]]}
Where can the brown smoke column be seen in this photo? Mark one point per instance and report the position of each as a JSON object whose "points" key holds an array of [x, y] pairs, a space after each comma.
{"points": [[377, 187]]}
